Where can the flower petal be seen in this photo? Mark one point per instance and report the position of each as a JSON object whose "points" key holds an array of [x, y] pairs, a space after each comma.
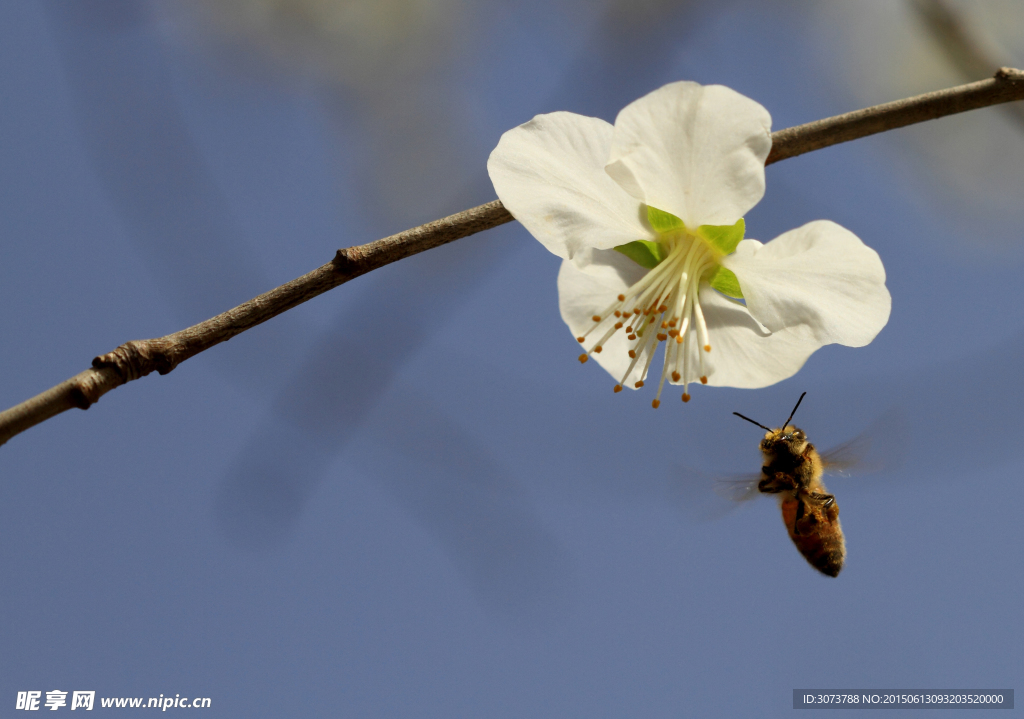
{"points": [[549, 173], [742, 353], [820, 276], [695, 151], [581, 293]]}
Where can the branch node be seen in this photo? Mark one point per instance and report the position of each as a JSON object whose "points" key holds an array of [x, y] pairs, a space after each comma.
{"points": [[1009, 74], [136, 359], [81, 397], [346, 257]]}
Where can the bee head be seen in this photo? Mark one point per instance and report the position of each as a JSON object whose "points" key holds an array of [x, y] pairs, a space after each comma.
{"points": [[787, 440]]}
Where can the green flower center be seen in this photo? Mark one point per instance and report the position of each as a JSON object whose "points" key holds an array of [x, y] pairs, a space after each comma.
{"points": [[665, 302]]}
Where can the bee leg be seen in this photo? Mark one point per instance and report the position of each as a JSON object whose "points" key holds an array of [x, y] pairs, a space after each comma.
{"points": [[798, 520], [805, 520], [828, 503], [770, 484], [827, 500], [774, 482]]}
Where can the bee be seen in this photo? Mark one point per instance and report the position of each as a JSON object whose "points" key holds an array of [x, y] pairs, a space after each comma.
{"points": [[792, 470]]}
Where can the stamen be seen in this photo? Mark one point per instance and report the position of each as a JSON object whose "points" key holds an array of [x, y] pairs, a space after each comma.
{"points": [[649, 347], [607, 335], [699, 324], [664, 373], [632, 364], [702, 327], [686, 371], [663, 304]]}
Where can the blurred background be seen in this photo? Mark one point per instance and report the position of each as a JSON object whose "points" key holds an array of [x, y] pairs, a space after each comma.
{"points": [[407, 497]]}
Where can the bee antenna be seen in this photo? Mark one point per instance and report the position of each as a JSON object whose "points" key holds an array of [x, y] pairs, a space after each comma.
{"points": [[794, 410], [769, 429]]}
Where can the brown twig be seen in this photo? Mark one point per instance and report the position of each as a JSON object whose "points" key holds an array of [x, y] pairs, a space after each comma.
{"points": [[141, 357], [1006, 86], [963, 48]]}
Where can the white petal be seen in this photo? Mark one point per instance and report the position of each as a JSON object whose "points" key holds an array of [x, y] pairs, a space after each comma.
{"points": [[742, 353], [581, 294], [820, 276], [549, 173], [697, 152]]}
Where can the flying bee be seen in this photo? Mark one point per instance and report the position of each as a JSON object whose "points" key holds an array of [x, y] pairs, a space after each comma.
{"points": [[792, 470]]}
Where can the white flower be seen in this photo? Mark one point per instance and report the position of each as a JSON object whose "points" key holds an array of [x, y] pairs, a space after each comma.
{"points": [[647, 216]]}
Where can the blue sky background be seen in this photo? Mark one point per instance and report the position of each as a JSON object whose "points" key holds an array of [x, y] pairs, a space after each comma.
{"points": [[406, 497]]}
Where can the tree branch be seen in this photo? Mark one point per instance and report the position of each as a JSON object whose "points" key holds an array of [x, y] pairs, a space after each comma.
{"points": [[138, 358], [1006, 86], [964, 50]]}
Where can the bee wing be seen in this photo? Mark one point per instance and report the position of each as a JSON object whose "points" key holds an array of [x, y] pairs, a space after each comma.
{"points": [[738, 487], [704, 497], [881, 446]]}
